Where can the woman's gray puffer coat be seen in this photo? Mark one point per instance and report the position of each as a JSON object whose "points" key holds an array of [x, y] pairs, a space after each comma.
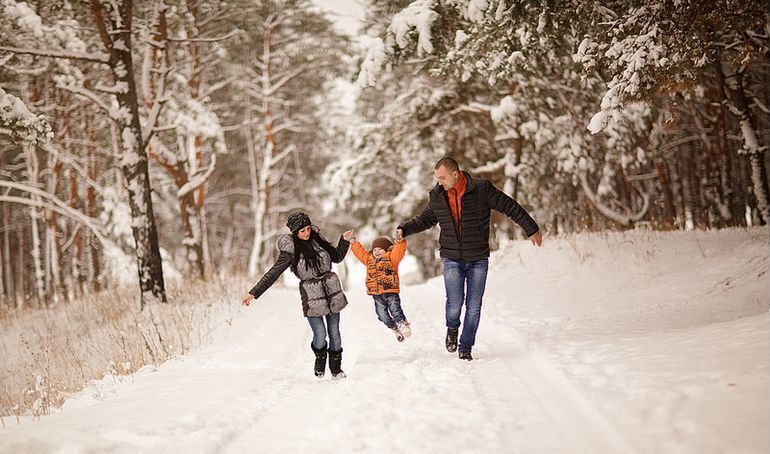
{"points": [[321, 290]]}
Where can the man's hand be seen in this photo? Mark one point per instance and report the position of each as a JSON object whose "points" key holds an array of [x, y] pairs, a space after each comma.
{"points": [[247, 299], [537, 239], [349, 236], [398, 235]]}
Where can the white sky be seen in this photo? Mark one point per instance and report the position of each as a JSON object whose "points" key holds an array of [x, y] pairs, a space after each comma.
{"points": [[346, 13]]}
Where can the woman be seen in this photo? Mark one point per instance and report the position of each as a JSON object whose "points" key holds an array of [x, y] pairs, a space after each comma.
{"points": [[310, 257]]}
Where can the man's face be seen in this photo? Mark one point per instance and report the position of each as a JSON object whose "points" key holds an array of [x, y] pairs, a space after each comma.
{"points": [[446, 178], [304, 233]]}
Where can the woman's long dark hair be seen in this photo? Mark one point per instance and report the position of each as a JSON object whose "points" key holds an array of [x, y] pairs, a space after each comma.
{"points": [[308, 252]]}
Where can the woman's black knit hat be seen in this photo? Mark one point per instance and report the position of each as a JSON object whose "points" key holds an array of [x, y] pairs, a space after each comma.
{"points": [[297, 221]]}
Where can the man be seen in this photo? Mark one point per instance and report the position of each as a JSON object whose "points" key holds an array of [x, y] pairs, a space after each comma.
{"points": [[461, 205]]}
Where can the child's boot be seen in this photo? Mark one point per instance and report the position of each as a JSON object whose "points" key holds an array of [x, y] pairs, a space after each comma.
{"points": [[397, 332], [404, 328]]}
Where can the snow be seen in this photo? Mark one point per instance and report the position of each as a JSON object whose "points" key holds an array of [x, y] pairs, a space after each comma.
{"points": [[476, 9], [628, 342], [418, 16], [130, 156], [25, 17], [23, 124], [62, 34], [372, 63], [598, 122]]}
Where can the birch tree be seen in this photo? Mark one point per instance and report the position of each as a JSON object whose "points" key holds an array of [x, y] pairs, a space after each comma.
{"points": [[295, 53]]}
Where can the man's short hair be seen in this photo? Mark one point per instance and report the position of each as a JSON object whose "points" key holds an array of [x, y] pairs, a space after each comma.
{"points": [[448, 163]]}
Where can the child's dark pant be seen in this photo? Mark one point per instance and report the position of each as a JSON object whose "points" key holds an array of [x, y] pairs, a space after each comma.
{"points": [[388, 307]]}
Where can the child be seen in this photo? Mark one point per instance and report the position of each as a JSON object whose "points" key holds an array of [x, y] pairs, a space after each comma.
{"points": [[382, 282]]}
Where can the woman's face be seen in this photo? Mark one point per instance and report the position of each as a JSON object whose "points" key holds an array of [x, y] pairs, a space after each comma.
{"points": [[304, 233]]}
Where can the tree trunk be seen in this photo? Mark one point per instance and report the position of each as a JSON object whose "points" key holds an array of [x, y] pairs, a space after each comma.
{"points": [[256, 204], [269, 146], [755, 150], [3, 297], [735, 91], [3, 265], [511, 185], [54, 286], [33, 169], [665, 189], [21, 287], [7, 264], [94, 267], [78, 271], [191, 228], [116, 36]]}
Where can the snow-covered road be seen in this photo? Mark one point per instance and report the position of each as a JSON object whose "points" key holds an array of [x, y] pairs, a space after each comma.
{"points": [[621, 343]]}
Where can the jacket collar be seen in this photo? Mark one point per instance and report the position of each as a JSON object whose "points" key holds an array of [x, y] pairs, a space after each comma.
{"points": [[470, 185]]}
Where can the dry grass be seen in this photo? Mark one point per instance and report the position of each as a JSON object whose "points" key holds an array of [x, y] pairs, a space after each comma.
{"points": [[50, 353]]}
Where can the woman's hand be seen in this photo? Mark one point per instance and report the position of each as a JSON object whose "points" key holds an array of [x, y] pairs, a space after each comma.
{"points": [[536, 239], [247, 299], [349, 236]]}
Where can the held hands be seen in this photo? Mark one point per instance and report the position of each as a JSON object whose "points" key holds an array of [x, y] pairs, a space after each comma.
{"points": [[398, 235], [537, 239], [247, 299], [349, 236]]}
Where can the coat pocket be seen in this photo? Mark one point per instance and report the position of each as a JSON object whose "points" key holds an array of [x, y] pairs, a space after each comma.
{"points": [[333, 291]]}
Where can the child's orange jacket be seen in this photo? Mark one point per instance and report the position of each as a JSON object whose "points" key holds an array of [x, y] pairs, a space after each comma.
{"points": [[382, 274]]}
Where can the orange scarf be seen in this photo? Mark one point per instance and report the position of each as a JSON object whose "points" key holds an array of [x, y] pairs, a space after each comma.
{"points": [[455, 198]]}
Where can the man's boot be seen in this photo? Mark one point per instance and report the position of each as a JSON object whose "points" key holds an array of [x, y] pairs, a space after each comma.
{"points": [[320, 360], [335, 364], [451, 339]]}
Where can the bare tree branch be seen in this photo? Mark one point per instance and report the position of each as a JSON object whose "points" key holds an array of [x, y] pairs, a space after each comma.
{"points": [[55, 204], [88, 94], [620, 218]]}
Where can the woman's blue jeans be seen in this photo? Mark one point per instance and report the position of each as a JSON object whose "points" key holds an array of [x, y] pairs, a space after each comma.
{"points": [[320, 330]]}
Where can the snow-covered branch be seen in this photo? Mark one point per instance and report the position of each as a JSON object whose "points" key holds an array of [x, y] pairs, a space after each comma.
{"points": [[198, 179], [208, 91], [90, 95], [491, 167], [54, 204], [20, 122], [207, 40], [94, 58], [286, 151]]}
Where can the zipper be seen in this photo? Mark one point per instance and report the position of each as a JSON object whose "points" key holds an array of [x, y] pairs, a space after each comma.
{"points": [[458, 234], [460, 221]]}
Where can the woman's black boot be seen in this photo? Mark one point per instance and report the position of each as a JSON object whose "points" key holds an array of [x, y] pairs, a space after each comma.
{"points": [[335, 364], [320, 360]]}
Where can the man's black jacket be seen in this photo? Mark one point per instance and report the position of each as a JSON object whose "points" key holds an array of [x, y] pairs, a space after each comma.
{"points": [[468, 241]]}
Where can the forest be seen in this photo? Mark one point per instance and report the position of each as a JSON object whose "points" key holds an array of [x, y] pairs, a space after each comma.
{"points": [[147, 142]]}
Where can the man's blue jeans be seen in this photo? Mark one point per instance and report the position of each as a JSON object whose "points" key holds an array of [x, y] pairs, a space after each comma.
{"points": [[388, 308], [320, 331], [457, 277]]}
